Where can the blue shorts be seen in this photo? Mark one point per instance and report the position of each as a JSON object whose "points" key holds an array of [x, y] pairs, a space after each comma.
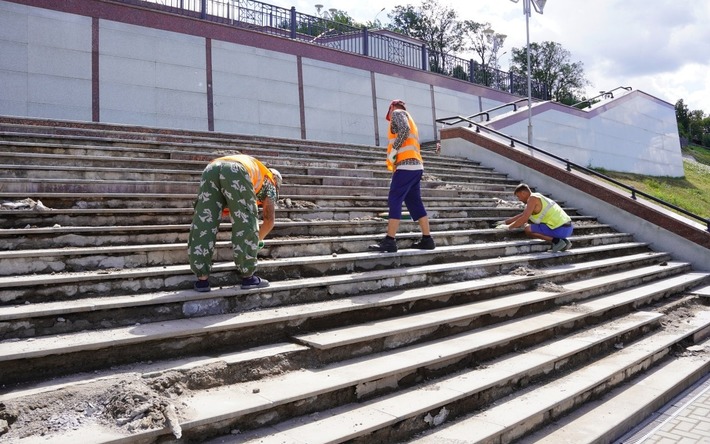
{"points": [[405, 187], [562, 232]]}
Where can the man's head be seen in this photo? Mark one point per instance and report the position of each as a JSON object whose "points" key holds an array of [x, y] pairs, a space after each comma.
{"points": [[522, 192], [395, 104], [278, 180]]}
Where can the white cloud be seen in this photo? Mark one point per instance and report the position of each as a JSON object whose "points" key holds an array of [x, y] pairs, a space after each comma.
{"points": [[661, 47]]}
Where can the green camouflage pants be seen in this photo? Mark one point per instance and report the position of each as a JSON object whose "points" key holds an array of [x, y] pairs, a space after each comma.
{"points": [[224, 183]]}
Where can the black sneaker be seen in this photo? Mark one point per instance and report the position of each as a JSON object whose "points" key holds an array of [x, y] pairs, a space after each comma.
{"points": [[254, 282], [202, 286], [425, 243], [386, 245], [567, 246]]}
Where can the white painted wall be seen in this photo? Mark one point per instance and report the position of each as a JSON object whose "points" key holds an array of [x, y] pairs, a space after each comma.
{"points": [[45, 63], [635, 133], [152, 77], [255, 91], [338, 103]]}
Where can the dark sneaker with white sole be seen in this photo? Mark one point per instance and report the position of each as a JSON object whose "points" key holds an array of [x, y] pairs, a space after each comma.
{"points": [[254, 282], [425, 243], [386, 245]]}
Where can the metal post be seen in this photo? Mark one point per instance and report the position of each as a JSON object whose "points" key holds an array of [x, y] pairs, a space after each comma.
{"points": [[365, 42], [526, 6], [424, 58], [293, 22]]}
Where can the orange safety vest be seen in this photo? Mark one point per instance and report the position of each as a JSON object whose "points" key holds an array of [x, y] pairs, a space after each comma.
{"points": [[258, 172], [409, 149]]}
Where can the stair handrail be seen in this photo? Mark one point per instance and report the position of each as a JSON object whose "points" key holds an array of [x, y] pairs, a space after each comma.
{"points": [[488, 111], [602, 94], [569, 165]]}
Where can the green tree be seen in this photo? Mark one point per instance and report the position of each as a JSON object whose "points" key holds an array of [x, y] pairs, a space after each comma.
{"points": [[486, 44], [682, 115], [435, 25], [550, 66], [697, 128], [331, 22]]}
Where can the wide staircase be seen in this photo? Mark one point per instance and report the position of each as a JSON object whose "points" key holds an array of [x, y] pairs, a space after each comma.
{"points": [[487, 338]]}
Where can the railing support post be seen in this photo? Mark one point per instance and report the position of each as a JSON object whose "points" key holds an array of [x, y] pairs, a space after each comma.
{"points": [[424, 58], [471, 70], [365, 42], [203, 14], [293, 22]]}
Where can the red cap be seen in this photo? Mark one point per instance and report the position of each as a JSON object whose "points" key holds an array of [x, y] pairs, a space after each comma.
{"points": [[393, 103]]}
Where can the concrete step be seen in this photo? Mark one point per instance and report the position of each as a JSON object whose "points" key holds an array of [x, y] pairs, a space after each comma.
{"points": [[86, 313], [63, 259], [83, 160], [43, 186], [49, 356], [205, 148], [62, 286], [242, 405], [410, 328], [512, 419], [77, 236], [630, 404], [129, 216], [172, 200], [264, 403]]}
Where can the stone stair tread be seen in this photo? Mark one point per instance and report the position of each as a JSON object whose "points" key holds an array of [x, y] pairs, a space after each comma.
{"points": [[702, 291], [434, 318], [499, 419], [502, 333], [155, 369], [49, 279], [624, 407], [240, 399], [140, 248], [353, 420], [58, 308]]}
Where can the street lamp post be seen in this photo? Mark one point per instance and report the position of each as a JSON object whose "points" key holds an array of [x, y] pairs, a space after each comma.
{"points": [[539, 5]]}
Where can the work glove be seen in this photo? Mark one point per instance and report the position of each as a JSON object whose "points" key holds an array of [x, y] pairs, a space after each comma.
{"points": [[392, 156], [503, 227]]}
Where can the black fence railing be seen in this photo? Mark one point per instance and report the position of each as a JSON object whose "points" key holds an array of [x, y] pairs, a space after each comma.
{"points": [[454, 120], [289, 23]]}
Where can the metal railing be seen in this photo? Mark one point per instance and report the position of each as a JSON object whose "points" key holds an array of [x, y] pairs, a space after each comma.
{"points": [[569, 165], [602, 94], [289, 23]]}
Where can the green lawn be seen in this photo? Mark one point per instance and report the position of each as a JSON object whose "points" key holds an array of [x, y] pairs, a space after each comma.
{"points": [[691, 192]]}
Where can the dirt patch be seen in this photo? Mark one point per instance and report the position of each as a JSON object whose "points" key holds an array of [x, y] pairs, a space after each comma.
{"points": [[550, 287], [524, 271], [289, 203], [129, 405], [24, 205], [426, 177], [502, 203], [455, 187]]}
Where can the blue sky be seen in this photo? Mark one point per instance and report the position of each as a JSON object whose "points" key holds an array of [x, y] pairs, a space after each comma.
{"points": [[661, 47]]}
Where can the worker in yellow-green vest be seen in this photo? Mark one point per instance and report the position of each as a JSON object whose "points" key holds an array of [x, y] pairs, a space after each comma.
{"points": [[542, 218], [405, 161], [234, 185]]}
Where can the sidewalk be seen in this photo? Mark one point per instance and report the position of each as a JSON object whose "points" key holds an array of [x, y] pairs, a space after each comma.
{"points": [[684, 420]]}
